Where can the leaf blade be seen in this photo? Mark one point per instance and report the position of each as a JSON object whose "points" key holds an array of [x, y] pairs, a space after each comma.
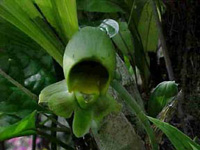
{"points": [[24, 127], [161, 96], [178, 139]]}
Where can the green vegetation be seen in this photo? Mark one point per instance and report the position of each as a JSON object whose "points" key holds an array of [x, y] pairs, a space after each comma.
{"points": [[91, 41]]}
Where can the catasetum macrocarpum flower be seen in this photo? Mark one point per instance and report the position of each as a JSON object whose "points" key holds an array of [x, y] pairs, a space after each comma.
{"points": [[89, 65]]}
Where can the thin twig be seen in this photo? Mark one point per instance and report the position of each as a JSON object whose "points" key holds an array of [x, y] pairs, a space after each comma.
{"points": [[163, 43], [17, 84], [54, 133], [2, 145]]}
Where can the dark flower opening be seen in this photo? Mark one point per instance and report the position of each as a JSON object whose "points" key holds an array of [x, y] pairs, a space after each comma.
{"points": [[88, 77]]}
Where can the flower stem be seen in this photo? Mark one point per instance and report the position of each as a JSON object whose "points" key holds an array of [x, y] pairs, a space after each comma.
{"points": [[34, 137], [135, 108]]}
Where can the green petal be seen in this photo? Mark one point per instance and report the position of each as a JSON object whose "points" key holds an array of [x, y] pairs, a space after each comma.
{"points": [[52, 89], [62, 104], [82, 122]]}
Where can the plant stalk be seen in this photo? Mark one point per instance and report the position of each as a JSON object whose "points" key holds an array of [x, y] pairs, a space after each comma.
{"points": [[135, 108], [54, 133], [163, 43], [17, 84], [34, 137]]}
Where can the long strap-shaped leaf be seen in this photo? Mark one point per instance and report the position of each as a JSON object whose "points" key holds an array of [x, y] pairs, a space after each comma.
{"points": [[66, 16], [27, 16], [62, 15]]}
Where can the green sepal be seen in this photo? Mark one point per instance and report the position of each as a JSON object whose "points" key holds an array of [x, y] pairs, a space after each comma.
{"points": [[52, 89], [58, 99], [105, 105], [82, 122], [62, 104]]}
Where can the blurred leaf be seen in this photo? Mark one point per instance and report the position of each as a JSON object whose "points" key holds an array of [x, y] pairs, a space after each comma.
{"points": [[148, 29], [24, 127], [82, 122], [23, 59], [161, 96], [8, 119], [15, 102], [134, 11], [124, 39], [106, 6], [178, 139]]}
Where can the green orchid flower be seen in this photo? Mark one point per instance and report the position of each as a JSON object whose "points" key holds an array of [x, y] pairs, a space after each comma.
{"points": [[89, 65]]}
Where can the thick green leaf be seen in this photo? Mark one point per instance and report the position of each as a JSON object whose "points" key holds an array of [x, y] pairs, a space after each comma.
{"points": [[106, 6], [161, 96], [124, 39], [24, 127], [148, 29], [178, 139], [82, 122]]}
